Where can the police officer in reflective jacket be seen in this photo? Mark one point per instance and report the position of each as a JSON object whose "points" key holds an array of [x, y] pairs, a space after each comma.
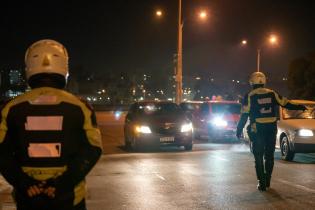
{"points": [[49, 140], [260, 105]]}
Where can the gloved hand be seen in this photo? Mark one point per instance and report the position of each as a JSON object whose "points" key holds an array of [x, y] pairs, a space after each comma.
{"points": [[54, 188], [35, 190], [303, 108], [41, 189], [238, 133], [27, 185]]}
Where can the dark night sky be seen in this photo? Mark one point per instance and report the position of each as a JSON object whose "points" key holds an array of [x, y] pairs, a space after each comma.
{"points": [[125, 36]]}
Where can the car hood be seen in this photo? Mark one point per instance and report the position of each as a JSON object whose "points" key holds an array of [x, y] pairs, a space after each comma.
{"points": [[298, 124]]}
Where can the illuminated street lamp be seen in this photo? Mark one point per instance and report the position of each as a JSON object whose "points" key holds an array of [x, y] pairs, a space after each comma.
{"points": [[159, 13], [203, 15], [272, 40], [179, 66], [179, 69]]}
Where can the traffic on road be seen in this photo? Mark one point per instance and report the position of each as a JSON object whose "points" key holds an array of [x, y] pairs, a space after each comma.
{"points": [[214, 175]]}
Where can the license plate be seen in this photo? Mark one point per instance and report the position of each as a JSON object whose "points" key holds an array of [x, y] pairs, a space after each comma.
{"points": [[167, 139]]}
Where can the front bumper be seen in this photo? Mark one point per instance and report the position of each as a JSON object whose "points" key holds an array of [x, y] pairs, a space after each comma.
{"points": [[304, 148], [154, 139], [222, 133], [303, 144]]}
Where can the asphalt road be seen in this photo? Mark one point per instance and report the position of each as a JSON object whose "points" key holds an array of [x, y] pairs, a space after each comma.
{"points": [[212, 176]]}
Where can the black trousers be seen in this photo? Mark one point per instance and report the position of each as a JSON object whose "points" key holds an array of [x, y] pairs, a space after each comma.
{"points": [[263, 149]]}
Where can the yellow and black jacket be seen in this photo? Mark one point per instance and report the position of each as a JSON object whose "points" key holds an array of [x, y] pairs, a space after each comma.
{"points": [[261, 105], [48, 134]]}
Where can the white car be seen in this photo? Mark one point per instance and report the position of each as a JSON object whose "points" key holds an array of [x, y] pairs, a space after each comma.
{"points": [[296, 130]]}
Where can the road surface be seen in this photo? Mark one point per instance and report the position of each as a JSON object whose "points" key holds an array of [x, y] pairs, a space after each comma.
{"points": [[212, 176]]}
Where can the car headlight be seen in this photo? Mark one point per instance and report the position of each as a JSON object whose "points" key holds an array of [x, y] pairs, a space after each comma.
{"points": [[186, 128], [219, 122], [143, 129], [305, 132], [118, 114]]}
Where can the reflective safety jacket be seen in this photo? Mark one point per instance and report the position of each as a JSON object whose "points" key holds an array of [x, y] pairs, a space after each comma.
{"points": [[261, 105], [49, 134]]}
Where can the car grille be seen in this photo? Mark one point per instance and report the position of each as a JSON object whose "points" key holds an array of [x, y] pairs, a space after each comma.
{"points": [[166, 129]]}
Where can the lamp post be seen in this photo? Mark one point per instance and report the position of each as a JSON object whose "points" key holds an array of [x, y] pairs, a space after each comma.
{"points": [[258, 59], [179, 64], [179, 68], [272, 40]]}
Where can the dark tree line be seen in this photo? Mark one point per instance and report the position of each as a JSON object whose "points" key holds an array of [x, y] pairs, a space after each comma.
{"points": [[301, 77]]}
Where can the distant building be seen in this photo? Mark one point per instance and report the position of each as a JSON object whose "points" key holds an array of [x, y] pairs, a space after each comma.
{"points": [[13, 83], [16, 78]]}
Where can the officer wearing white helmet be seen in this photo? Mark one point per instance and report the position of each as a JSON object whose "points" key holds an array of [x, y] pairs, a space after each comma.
{"points": [[49, 139], [260, 106]]}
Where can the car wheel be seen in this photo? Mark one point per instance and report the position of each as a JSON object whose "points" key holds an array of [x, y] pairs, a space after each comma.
{"points": [[286, 152], [134, 144], [196, 135], [188, 147], [127, 141]]}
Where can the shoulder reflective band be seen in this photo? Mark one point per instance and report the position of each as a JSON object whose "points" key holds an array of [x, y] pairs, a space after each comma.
{"points": [[45, 99]]}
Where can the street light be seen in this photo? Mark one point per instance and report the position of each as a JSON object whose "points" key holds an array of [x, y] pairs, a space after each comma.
{"points": [[272, 40], [179, 69], [203, 15], [179, 65], [159, 13]]}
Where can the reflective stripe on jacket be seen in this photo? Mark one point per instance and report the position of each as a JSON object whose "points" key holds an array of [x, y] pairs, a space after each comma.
{"points": [[48, 130], [261, 105]]}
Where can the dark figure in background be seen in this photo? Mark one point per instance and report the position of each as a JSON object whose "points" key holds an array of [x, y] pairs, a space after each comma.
{"points": [[260, 105], [49, 140]]}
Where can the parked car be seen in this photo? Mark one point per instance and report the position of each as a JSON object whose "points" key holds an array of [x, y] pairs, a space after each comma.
{"points": [[296, 130], [153, 123], [217, 120]]}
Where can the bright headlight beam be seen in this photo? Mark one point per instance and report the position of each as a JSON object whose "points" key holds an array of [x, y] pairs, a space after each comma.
{"points": [[186, 128], [143, 129], [218, 121], [117, 114], [305, 132]]}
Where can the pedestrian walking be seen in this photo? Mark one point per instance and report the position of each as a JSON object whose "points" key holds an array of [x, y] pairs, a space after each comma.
{"points": [[260, 106]]}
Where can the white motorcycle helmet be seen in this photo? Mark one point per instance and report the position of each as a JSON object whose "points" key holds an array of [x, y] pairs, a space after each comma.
{"points": [[46, 56], [257, 78]]}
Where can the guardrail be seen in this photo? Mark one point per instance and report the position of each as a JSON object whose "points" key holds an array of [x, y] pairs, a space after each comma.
{"points": [[99, 107]]}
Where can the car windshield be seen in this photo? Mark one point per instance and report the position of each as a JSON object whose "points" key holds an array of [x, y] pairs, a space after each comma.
{"points": [[190, 107], [298, 114], [159, 109], [226, 108]]}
